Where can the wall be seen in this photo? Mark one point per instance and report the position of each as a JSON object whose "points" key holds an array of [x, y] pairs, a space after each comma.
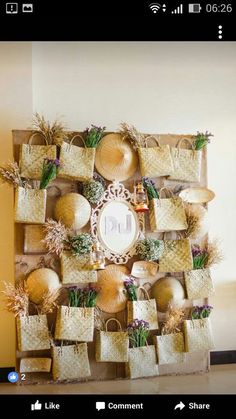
{"points": [[15, 112]]}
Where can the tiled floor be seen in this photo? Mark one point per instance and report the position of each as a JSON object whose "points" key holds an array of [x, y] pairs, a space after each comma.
{"points": [[221, 379]]}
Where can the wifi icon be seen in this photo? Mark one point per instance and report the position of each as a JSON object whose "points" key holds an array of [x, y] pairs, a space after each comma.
{"points": [[154, 7]]}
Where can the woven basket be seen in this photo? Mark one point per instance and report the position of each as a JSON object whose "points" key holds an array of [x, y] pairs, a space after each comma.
{"points": [[32, 333], [112, 346], [187, 163], [75, 324], [142, 362], [170, 348], [32, 157], [70, 362], [30, 205], [199, 284], [33, 240], [155, 161], [143, 310], [77, 163], [167, 214], [176, 257], [73, 210], [73, 269], [198, 335], [35, 365]]}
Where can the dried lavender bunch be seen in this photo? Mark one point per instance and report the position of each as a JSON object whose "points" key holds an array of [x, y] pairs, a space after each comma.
{"points": [[55, 236], [201, 312], [82, 297], [93, 136], [150, 187], [16, 299], [131, 289], [136, 138], [201, 140], [10, 173], [172, 324], [200, 257], [49, 172], [53, 132], [206, 256], [138, 332]]}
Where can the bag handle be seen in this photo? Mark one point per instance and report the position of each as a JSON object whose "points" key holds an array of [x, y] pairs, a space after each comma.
{"points": [[167, 190], [181, 140], [38, 133], [77, 136], [178, 235], [57, 194], [154, 138], [144, 292], [115, 320]]}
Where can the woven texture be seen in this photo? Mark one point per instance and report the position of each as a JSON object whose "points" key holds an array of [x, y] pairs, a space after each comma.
{"points": [[143, 310], [112, 346], [170, 348], [73, 210], [32, 157], [32, 333], [176, 257], [77, 163], [30, 205], [167, 214], [70, 362], [198, 335], [73, 269], [142, 362], [155, 161], [35, 364], [187, 164], [199, 284], [75, 323]]}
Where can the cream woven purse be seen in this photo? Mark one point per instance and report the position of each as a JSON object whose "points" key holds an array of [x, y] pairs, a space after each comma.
{"points": [[30, 205], [112, 346], [35, 365], [143, 310], [142, 362], [198, 335], [75, 323], [73, 269], [32, 157], [176, 257], [70, 362], [155, 161], [199, 284], [187, 163], [167, 214], [32, 333], [170, 348], [77, 163]]}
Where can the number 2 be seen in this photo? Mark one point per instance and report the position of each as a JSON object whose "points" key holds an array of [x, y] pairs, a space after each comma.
{"points": [[22, 376]]}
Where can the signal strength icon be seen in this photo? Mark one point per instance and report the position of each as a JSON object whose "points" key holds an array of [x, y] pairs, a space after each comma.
{"points": [[154, 7], [178, 10]]}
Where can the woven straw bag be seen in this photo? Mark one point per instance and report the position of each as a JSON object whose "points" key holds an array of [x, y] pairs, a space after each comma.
{"points": [[198, 335], [75, 323], [155, 161], [167, 214], [112, 346], [32, 157], [30, 205], [77, 163], [32, 333], [142, 362], [35, 365], [199, 284], [143, 310], [70, 362], [187, 163], [73, 269], [176, 257], [170, 348]]}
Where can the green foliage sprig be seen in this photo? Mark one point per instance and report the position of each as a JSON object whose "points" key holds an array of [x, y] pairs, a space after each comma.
{"points": [[150, 249], [202, 139]]}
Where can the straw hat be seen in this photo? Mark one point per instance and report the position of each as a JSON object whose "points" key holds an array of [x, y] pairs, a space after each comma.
{"points": [[73, 210], [111, 297], [115, 158], [41, 281], [168, 290]]}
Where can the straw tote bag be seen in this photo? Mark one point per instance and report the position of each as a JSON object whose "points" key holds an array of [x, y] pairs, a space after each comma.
{"points": [[75, 323], [32, 333], [170, 348], [143, 310], [177, 256], [199, 284], [155, 161], [142, 362], [187, 163], [112, 346], [167, 214], [73, 269], [77, 163], [198, 335], [35, 365], [30, 205], [70, 362], [32, 157]]}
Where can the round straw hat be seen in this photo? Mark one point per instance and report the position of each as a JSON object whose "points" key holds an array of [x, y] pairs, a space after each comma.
{"points": [[166, 291], [41, 281], [111, 297], [115, 158], [73, 210]]}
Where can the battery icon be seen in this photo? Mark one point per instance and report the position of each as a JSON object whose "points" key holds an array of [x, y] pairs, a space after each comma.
{"points": [[194, 8]]}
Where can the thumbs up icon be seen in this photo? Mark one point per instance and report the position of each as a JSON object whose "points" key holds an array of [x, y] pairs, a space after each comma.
{"points": [[36, 406]]}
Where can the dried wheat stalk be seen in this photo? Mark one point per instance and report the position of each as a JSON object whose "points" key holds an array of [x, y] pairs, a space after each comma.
{"points": [[49, 301], [10, 173], [16, 299], [55, 236], [137, 138], [53, 132], [172, 324]]}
